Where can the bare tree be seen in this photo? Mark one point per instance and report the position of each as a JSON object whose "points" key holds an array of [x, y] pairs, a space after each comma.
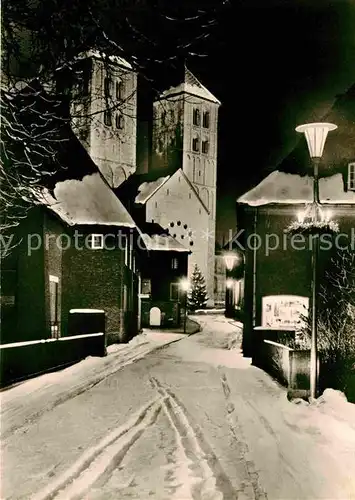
{"points": [[42, 44]]}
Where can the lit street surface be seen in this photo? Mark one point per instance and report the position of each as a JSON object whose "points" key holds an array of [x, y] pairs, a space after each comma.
{"points": [[191, 420]]}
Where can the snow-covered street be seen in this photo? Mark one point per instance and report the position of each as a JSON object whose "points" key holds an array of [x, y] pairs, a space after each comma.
{"points": [[188, 420]]}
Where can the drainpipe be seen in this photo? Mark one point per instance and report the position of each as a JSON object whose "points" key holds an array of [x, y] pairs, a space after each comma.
{"points": [[254, 270]]}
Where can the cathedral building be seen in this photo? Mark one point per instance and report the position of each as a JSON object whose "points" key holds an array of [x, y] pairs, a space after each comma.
{"points": [[179, 191]]}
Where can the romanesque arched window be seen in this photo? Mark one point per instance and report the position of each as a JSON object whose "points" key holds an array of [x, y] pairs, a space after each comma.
{"points": [[196, 117]]}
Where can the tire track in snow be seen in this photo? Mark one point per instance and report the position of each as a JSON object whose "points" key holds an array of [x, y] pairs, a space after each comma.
{"points": [[95, 466], [198, 474], [251, 489]]}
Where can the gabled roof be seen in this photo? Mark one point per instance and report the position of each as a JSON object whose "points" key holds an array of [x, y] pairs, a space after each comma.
{"points": [[283, 188], [104, 57], [89, 201], [192, 86], [138, 189], [78, 193], [289, 184]]}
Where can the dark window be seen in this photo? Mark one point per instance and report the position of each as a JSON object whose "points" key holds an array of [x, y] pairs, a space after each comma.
{"points": [[174, 291], [119, 90], [205, 147], [108, 117], [196, 117], [195, 144], [191, 243], [107, 87], [351, 176], [206, 119], [179, 223], [171, 224], [119, 121], [185, 226], [167, 192]]}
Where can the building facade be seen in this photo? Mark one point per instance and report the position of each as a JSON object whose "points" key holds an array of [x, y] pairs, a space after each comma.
{"points": [[104, 114], [185, 126]]}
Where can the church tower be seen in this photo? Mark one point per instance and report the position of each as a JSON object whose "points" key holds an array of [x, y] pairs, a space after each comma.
{"points": [[104, 114], [185, 126]]}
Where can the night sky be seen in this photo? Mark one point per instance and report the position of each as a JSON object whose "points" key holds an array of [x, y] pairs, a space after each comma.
{"points": [[274, 65]]}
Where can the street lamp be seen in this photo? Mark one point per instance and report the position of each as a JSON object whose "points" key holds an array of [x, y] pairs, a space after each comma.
{"points": [[315, 134], [185, 285], [230, 260]]}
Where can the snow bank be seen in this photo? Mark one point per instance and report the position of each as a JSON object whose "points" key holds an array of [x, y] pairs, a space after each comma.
{"points": [[147, 189], [163, 242], [87, 201]]}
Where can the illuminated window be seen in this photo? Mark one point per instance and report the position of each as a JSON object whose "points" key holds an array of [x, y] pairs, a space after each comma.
{"points": [[146, 287], [174, 263], [206, 119], [96, 241]]}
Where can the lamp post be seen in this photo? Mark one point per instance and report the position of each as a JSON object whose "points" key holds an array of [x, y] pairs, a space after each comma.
{"points": [[230, 260], [185, 285], [315, 134]]}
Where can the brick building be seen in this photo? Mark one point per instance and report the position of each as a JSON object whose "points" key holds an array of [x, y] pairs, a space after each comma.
{"points": [[277, 272]]}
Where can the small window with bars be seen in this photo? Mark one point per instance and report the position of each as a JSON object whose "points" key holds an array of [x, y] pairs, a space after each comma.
{"points": [[174, 263], [351, 176], [96, 241]]}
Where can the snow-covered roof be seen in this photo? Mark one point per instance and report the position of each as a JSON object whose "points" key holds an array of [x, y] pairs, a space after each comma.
{"points": [[88, 201], [101, 55], [281, 187], [147, 189], [162, 242], [191, 85]]}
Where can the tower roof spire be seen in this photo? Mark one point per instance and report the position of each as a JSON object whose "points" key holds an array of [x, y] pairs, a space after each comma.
{"points": [[190, 85]]}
